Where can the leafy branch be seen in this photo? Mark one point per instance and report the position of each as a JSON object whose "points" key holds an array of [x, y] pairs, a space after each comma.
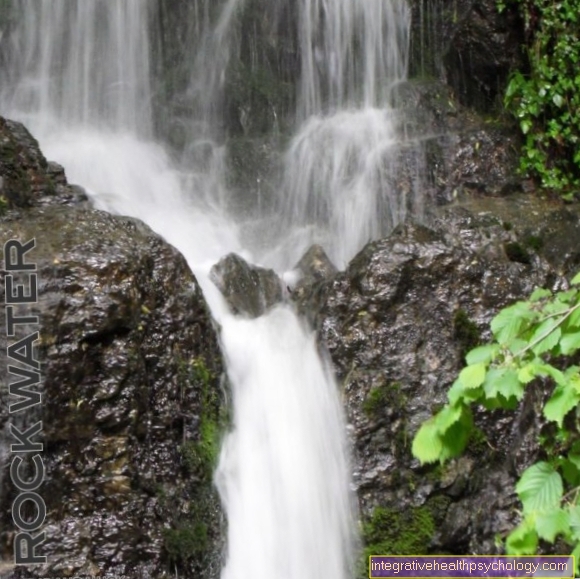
{"points": [[529, 338]]}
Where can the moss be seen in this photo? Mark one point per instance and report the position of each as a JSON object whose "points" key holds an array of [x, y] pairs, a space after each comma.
{"points": [[465, 331], [478, 442], [382, 396], [393, 532], [533, 242], [507, 226], [185, 542], [517, 252]]}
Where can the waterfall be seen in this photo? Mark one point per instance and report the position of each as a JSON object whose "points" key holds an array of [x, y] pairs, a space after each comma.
{"points": [[80, 63], [341, 169], [79, 76]]}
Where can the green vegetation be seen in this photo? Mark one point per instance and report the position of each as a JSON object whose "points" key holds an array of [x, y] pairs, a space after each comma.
{"points": [[546, 100], [534, 340], [382, 396], [188, 539], [185, 542]]}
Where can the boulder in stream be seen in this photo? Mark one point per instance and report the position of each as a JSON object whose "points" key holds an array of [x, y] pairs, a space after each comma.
{"points": [[248, 289]]}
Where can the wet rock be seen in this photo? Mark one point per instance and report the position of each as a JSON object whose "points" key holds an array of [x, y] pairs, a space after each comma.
{"points": [[314, 266], [249, 290], [132, 393], [469, 45], [463, 153], [26, 178], [397, 324]]}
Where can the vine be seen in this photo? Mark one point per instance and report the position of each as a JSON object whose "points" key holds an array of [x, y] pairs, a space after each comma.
{"points": [[533, 339], [546, 101]]}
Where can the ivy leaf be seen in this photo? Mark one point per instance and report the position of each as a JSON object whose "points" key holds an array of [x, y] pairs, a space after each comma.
{"points": [[427, 444], [523, 540], [510, 321], [484, 354], [473, 376], [564, 398], [570, 343], [540, 488], [552, 523]]}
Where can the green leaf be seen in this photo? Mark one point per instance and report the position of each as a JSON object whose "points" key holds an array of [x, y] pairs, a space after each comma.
{"points": [[546, 336], [523, 540], [570, 343], [473, 376], [540, 293], [576, 279], [510, 321], [456, 437], [570, 470], [528, 372], [576, 554], [484, 354], [447, 417], [503, 381], [574, 319], [427, 444], [552, 523], [540, 488], [564, 398], [558, 100], [575, 522]]}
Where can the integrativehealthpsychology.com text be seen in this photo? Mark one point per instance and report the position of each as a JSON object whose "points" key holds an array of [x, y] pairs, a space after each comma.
{"points": [[471, 566]]}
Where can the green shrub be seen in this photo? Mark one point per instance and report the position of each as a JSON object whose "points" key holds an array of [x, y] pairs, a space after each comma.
{"points": [[546, 100]]}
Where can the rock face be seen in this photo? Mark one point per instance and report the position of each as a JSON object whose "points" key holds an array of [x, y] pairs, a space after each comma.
{"points": [[397, 324], [469, 45], [249, 290], [132, 396]]}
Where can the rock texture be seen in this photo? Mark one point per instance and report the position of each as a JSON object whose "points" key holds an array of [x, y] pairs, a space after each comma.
{"points": [[132, 396], [397, 324], [249, 290]]}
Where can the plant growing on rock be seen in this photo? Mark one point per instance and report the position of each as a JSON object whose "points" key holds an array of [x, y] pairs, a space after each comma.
{"points": [[534, 339], [546, 101]]}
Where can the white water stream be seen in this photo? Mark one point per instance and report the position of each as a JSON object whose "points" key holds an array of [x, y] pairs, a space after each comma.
{"points": [[78, 75]]}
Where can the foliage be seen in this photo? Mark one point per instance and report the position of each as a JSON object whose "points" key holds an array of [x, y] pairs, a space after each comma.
{"points": [[546, 101], [533, 339]]}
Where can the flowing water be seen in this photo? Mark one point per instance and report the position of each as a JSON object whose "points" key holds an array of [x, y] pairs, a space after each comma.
{"points": [[78, 74]]}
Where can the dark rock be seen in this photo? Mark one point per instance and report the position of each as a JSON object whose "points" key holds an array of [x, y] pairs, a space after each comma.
{"points": [[314, 266], [469, 45], [462, 152], [26, 178], [132, 398], [249, 290], [397, 323]]}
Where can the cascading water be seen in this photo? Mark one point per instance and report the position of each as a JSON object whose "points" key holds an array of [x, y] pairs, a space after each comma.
{"points": [[341, 167], [79, 77]]}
